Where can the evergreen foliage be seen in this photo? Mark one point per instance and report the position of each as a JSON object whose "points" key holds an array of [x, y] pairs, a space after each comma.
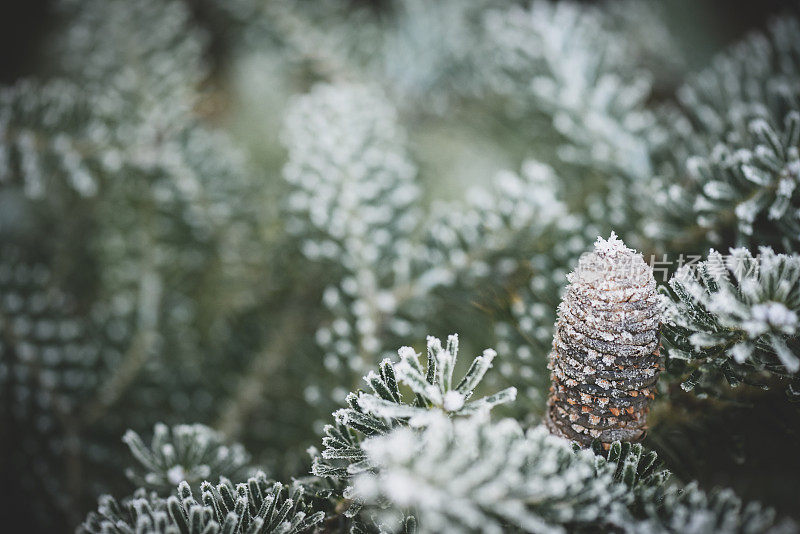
{"points": [[352, 201], [49, 366], [755, 181], [725, 154], [399, 267], [191, 453], [123, 195], [735, 317], [257, 506], [216, 217], [567, 64], [469, 475], [376, 412]]}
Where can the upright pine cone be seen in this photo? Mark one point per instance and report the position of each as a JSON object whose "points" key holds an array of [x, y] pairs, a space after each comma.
{"points": [[605, 360]]}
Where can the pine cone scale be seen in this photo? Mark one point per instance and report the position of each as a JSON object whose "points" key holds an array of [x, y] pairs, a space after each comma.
{"points": [[600, 359]]}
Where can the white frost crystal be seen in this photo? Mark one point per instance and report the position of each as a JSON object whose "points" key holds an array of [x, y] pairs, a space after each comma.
{"points": [[770, 316], [453, 401]]}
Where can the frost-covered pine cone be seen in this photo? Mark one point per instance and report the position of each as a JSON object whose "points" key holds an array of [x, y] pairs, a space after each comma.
{"points": [[605, 359]]}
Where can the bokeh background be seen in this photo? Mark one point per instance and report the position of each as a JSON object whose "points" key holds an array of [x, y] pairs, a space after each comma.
{"points": [[166, 257]]}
